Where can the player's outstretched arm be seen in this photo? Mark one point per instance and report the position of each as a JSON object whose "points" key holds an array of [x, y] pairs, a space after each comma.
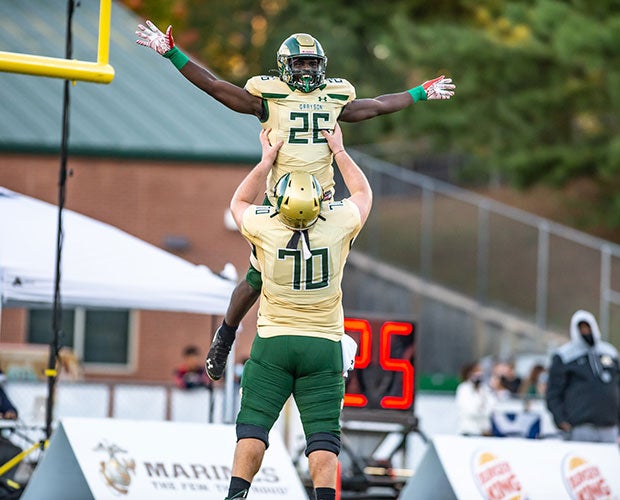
{"points": [[254, 183], [354, 178], [228, 94], [363, 109]]}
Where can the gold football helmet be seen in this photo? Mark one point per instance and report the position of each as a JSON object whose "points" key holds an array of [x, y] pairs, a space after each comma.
{"points": [[299, 197]]}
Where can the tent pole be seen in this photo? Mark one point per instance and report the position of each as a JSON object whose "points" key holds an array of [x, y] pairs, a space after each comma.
{"points": [[51, 372]]}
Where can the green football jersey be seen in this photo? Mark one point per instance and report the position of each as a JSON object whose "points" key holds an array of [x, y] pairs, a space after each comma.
{"points": [[297, 118]]}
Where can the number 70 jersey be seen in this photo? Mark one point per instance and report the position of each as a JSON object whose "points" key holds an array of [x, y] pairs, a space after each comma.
{"points": [[302, 296], [297, 118]]}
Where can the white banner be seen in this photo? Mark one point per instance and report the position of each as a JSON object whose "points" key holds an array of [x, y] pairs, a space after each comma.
{"points": [[138, 460], [517, 469]]}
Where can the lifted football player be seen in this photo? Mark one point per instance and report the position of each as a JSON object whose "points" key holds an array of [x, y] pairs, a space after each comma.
{"points": [[296, 105]]}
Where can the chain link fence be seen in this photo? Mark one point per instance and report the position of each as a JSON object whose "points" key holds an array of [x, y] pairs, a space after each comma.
{"points": [[500, 256]]}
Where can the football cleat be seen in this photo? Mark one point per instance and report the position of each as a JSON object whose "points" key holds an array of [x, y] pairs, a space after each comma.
{"points": [[217, 356], [241, 494]]}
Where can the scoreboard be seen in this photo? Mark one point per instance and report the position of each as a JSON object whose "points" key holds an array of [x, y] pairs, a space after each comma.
{"points": [[381, 387]]}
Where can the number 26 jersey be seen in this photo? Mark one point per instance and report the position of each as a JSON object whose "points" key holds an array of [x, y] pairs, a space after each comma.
{"points": [[297, 118]]}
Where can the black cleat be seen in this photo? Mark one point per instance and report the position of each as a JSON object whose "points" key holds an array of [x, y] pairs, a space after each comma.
{"points": [[241, 494], [217, 356]]}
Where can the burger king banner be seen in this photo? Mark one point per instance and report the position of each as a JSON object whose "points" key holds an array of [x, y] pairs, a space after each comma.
{"points": [[137, 460], [455, 467]]}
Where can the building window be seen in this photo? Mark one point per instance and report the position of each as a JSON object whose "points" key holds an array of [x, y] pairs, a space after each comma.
{"points": [[101, 339], [40, 327]]}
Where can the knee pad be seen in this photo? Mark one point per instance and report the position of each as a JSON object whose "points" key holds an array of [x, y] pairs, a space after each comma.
{"points": [[322, 441], [253, 431]]}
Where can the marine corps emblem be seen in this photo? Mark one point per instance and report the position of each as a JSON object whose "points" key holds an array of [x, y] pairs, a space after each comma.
{"points": [[116, 471]]}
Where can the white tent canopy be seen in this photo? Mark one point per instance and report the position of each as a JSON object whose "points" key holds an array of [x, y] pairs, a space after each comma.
{"points": [[101, 265]]}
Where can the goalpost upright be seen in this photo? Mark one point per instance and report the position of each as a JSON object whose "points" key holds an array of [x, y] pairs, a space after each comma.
{"points": [[68, 69]]}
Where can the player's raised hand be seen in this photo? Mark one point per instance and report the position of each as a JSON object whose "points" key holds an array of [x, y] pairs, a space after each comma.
{"points": [[439, 88], [152, 37], [334, 139], [269, 151]]}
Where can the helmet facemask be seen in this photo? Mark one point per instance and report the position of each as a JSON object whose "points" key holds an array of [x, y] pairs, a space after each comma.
{"points": [[306, 79], [290, 65]]}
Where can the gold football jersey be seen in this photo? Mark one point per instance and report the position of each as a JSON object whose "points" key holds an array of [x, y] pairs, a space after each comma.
{"points": [[302, 296], [297, 118]]}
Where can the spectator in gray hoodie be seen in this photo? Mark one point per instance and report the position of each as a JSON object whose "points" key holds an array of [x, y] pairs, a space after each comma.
{"points": [[583, 390]]}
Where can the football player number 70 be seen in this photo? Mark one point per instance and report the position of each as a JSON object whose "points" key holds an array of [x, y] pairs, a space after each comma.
{"points": [[364, 357]]}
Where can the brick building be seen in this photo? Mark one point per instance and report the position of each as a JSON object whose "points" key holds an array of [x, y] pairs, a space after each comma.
{"points": [[149, 154]]}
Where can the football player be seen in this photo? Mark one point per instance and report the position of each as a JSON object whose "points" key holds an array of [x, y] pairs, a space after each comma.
{"points": [[296, 106], [302, 243]]}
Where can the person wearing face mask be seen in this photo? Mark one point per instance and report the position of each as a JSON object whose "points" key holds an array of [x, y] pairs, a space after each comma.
{"points": [[475, 402], [583, 388]]}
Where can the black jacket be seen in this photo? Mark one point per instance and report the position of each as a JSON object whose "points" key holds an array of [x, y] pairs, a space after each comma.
{"points": [[5, 403], [584, 381]]}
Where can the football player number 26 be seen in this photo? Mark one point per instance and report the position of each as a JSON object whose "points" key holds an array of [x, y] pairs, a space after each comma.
{"points": [[302, 126], [363, 359]]}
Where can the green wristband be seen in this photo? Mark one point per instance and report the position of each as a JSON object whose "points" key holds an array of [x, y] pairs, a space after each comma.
{"points": [[176, 57], [418, 93]]}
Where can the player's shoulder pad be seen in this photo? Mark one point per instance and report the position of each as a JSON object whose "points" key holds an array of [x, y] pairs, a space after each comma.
{"points": [[344, 206], [334, 205], [262, 210], [342, 212], [266, 86], [256, 217], [340, 86]]}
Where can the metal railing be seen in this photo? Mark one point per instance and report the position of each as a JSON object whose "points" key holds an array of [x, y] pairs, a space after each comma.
{"points": [[501, 256], [134, 401]]}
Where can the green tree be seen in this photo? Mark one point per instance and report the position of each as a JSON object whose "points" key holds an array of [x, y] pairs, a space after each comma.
{"points": [[538, 91]]}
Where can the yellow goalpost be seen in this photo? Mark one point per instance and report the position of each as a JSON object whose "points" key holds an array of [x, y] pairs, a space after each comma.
{"points": [[68, 69]]}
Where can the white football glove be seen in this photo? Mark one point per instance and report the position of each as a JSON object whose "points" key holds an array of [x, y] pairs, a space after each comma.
{"points": [[152, 37], [439, 88]]}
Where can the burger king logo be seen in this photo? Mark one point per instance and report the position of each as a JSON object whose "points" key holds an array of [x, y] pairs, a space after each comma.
{"points": [[495, 478], [584, 480]]}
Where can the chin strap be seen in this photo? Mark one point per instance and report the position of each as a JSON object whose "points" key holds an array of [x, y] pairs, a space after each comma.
{"points": [[305, 243]]}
